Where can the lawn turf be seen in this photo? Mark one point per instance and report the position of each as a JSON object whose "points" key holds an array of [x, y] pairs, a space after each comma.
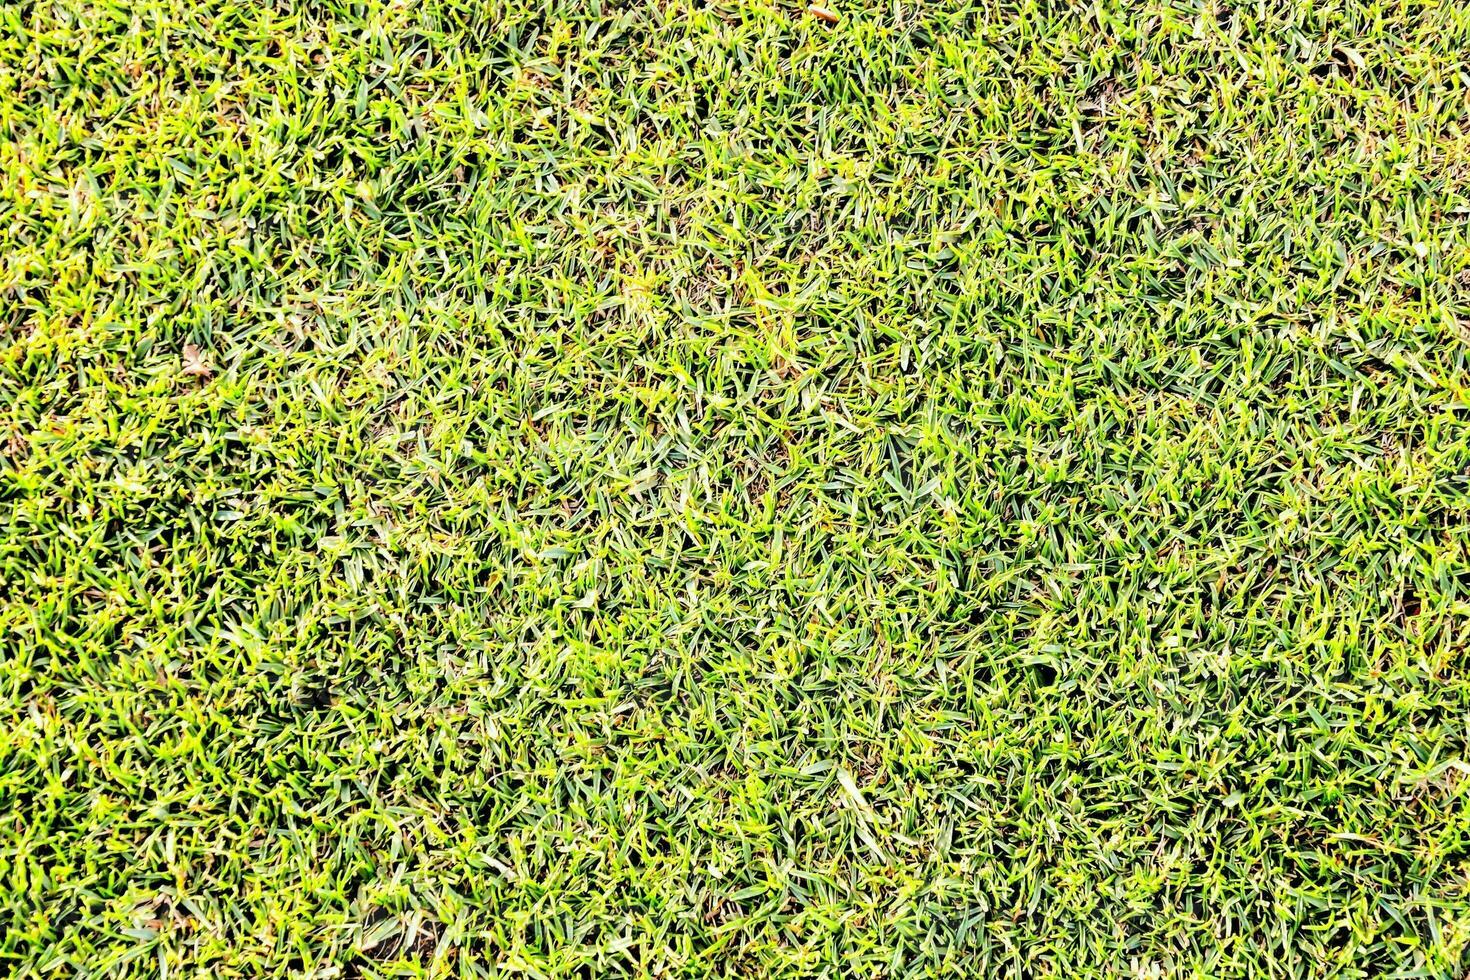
{"points": [[683, 488]]}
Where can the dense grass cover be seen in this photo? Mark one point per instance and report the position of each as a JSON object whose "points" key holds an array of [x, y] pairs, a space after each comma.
{"points": [[679, 488]]}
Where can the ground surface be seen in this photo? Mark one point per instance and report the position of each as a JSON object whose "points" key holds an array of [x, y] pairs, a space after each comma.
{"points": [[676, 489]]}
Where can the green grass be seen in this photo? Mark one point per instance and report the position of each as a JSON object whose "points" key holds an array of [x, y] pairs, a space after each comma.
{"points": [[677, 488]]}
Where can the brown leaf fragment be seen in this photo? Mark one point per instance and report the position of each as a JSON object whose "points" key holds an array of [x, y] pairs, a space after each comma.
{"points": [[194, 364]]}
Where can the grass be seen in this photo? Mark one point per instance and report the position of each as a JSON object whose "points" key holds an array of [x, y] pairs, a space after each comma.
{"points": [[681, 488]]}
